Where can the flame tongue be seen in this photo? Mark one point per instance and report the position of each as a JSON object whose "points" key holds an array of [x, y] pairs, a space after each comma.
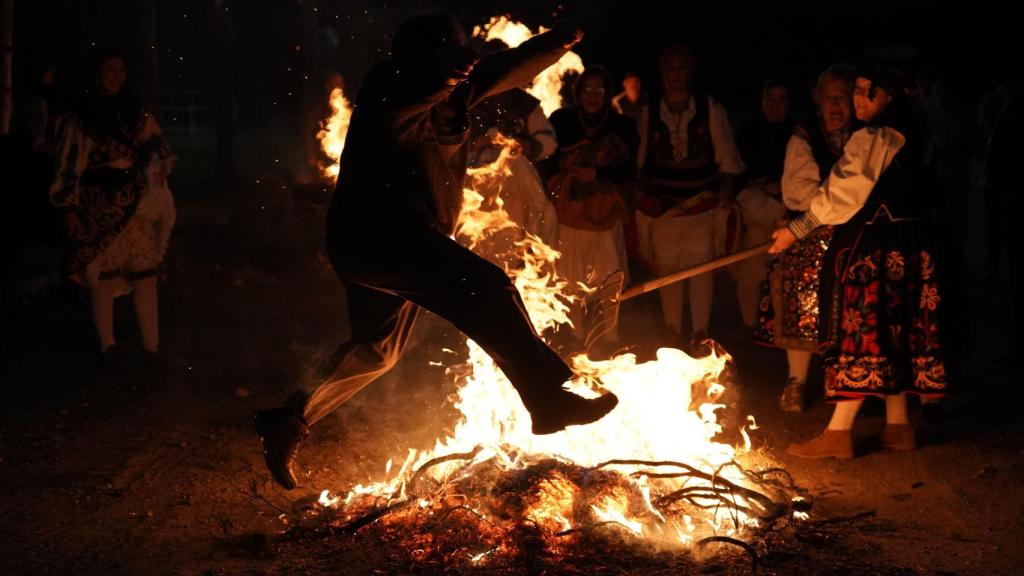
{"points": [[547, 86], [332, 133]]}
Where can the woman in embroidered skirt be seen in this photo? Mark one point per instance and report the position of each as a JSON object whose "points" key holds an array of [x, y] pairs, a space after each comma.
{"points": [[879, 290], [118, 211], [788, 312]]}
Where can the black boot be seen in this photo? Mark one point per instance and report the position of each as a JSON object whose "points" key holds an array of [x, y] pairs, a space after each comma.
{"points": [[553, 412], [283, 432], [113, 362], [151, 368]]}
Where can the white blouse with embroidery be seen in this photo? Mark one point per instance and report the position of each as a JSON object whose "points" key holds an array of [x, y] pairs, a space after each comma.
{"points": [[867, 154]]}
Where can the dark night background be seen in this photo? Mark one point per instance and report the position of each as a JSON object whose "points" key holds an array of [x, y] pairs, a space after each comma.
{"points": [[247, 73], [277, 44], [166, 477]]}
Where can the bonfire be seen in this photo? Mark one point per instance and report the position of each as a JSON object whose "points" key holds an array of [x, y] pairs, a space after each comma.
{"points": [[652, 474]]}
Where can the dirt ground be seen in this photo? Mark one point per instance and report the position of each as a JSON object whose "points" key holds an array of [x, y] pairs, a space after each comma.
{"points": [[164, 475]]}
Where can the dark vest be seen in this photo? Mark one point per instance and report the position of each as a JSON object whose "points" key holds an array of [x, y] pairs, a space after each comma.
{"points": [[899, 190], [673, 180]]}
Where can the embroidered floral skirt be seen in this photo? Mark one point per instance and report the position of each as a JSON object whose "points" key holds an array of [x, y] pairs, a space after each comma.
{"points": [[882, 304], [108, 199], [122, 231], [788, 310]]}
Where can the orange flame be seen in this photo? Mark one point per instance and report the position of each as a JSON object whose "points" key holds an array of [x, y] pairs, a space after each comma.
{"points": [[612, 513], [332, 133], [547, 86]]}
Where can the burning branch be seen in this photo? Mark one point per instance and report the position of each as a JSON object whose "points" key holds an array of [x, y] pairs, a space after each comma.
{"points": [[727, 540], [440, 460], [375, 515], [769, 510], [590, 527]]}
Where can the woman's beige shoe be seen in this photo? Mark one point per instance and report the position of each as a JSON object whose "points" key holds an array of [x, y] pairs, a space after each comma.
{"points": [[828, 444]]}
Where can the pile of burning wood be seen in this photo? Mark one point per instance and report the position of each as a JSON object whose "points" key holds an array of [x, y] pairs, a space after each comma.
{"points": [[484, 514]]}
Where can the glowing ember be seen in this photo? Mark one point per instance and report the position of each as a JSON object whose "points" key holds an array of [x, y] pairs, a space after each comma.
{"points": [[548, 84], [332, 133], [612, 514], [552, 502], [327, 500]]}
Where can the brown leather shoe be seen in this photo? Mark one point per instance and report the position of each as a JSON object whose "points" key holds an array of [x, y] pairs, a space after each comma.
{"points": [[828, 444], [562, 408], [792, 399], [899, 437], [283, 432]]}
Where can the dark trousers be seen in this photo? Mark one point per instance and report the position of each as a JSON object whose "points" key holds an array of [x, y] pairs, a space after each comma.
{"points": [[389, 279]]}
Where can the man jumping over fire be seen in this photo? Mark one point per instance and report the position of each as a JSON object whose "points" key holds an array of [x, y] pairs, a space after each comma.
{"points": [[389, 233]]}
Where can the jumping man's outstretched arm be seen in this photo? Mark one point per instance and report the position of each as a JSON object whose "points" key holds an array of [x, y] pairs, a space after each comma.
{"points": [[508, 69]]}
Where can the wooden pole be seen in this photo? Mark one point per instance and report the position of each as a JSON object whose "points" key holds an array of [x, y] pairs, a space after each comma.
{"points": [[651, 285]]}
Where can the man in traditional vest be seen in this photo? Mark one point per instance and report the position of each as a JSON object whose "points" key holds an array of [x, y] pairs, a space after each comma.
{"points": [[689, 166]]}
